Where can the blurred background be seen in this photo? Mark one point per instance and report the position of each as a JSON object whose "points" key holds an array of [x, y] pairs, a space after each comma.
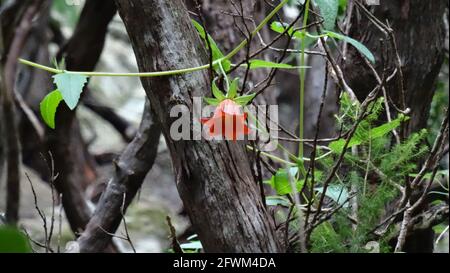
{"points": [[124, 100]]}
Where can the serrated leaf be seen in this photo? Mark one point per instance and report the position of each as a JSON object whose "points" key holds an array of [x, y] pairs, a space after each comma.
{"points": [[216, 92], [244, 100], [216, 52], [233, 89], [359, 46], [48, 107], [212, 101], [70, 85], [329, 11]]}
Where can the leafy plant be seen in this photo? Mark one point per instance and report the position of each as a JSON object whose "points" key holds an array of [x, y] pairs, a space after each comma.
{"points": [[49, 106], [329, 10], [13, 241]]}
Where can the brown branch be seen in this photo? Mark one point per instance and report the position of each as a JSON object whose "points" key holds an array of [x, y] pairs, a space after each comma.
{"points": [[423, 221], [130, 171], [8, 71], [173, 236], [91, 30]]}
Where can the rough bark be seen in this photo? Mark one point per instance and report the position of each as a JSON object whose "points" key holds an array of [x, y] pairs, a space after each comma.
{"points": [[420, 34], [11, 50], [130, 171], [420, 37], [213, 178]]}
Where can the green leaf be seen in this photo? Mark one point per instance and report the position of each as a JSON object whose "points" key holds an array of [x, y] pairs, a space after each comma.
{"points": [[281, 28], [338, 145], [13, 241], [377, 132], [192, 245], [254, 64], [233, 89], [277, 201], [382, 130], [359, 46], [338, 194], [216, 92], [212, 101], [329, 10], [70, 85], [66, 14], [280, 181], [216, 52], [49, 106], [244, 100]]}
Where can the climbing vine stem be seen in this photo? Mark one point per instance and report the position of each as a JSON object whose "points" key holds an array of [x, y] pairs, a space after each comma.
{"points": [[163, 73], [302, 79]]}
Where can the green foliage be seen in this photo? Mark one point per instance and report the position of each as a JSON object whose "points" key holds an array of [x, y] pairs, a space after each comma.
{"points": [[374, 170], [325, 239], [276, 200], [245, 100], [193, 245], [216, 92], [281, 181], [216, 52], [212, 101], [329, 11], [362, 134], [13, 241], [70, 85], [281, 28], [359, 46], [342, 6], [370, 174], [254, 64], [49, 106], [401, 159], [66, 14], [220, 96], [232, 93], [337, 193], [69, 88]]}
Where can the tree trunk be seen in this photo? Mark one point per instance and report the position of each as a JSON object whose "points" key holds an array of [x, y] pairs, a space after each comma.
{"points": [[213, 178], [420, 34], [420, 38]]}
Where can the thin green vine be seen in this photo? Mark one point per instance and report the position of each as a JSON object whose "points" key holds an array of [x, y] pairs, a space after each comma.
{"points": [[302, 81], [162, 73]]}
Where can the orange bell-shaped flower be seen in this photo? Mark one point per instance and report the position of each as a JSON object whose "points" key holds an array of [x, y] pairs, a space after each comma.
{"points": [[228, 121]]}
